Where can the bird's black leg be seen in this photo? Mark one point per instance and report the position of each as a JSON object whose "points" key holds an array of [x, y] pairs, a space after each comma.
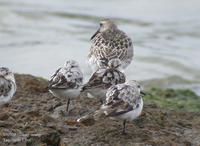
{"points": [[68, 102], [124, 127]]}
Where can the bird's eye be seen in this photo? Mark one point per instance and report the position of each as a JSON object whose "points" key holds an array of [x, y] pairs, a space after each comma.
{"points": [[138, 86], [101, 24], [72, 66]]}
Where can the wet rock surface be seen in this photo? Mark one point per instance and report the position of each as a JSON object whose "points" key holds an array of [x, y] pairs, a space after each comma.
{"points": [[35, 118]]}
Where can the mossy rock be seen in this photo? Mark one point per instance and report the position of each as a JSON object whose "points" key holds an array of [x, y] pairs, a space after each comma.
{"points": [[183, 99]]}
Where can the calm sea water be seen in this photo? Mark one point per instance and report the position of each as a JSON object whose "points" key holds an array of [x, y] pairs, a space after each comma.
{"points": [[36, 36]]}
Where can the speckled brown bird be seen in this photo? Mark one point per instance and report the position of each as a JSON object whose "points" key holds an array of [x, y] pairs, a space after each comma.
{"points": [[110, 42]]}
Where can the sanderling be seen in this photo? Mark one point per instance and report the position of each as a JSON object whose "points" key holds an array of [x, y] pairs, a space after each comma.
{"points": [[7, 85], [123, 101], [66, 81], [110, 42], [109, 74]]}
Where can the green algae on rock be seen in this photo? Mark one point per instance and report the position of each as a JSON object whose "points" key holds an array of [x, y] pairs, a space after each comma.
{"points": [[179, 99]]}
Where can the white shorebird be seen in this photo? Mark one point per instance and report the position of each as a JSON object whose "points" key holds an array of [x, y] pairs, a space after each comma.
{"points": [[66, 81], [123, 101], [109, 74], [110, 42], [7, 85]]}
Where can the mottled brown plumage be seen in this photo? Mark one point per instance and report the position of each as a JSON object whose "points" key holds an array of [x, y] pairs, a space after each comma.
{"points": [[109, 42], [106, 76]]}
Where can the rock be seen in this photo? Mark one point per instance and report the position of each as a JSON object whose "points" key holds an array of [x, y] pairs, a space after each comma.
{"points": [[4, 116], [48, 119], [31, 84], [33, 112], [14, 144], [51, 138], [87, 120], [5, 124], [60, 111], [36, 113]]}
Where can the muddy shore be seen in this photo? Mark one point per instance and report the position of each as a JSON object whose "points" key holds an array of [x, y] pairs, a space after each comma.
{"points": [[35, 118]]}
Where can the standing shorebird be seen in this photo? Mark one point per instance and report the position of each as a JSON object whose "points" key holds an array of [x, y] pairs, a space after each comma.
{"points": [[7, 85], [123, 101], [110, 42], [66, 81], [109, 74]]}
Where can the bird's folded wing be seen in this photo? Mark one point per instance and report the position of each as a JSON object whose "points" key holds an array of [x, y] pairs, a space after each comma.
{"points": [[94, 82], [5, 87], [118, 108], [58, 81], [56, 72]]}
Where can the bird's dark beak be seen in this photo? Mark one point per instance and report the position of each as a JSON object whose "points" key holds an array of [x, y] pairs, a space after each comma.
{"points": [[95, 34], [82, 89], [143, 93]]}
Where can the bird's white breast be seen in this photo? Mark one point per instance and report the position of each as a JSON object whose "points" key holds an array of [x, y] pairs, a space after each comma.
{"points": [[5, 99], [134, 113], [98, 93], [65, 93]]}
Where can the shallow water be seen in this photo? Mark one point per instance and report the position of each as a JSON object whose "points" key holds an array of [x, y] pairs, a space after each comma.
{"points": [[38, 36]]}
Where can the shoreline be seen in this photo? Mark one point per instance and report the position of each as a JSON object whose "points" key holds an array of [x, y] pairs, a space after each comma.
{"points": [[35, 117]]}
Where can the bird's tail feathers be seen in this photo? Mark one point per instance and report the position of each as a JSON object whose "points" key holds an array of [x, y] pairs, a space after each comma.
{"points": [[94, 116]]}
